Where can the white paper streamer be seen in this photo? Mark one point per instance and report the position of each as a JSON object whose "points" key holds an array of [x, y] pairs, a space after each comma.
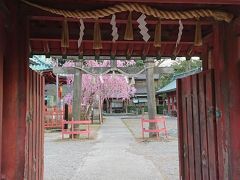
{"points": [[81, 33], [180, 29], [114, 28], [143, 28]]}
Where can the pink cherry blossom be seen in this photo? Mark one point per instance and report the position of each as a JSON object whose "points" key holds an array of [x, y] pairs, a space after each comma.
{"points": [[101, 86]]}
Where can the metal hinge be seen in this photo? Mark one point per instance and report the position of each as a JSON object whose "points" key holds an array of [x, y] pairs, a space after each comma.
{"points": [[211, 110], [29, 116]]}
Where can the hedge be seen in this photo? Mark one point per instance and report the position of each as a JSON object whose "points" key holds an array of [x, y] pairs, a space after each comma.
{"points": [[137, 109]]}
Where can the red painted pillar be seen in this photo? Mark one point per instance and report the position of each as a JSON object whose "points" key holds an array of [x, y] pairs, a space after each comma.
{"points": [[232, 67], [226, 62], [204, 57], [174, 107], [2, 41], [14, 94], [169, 108]]}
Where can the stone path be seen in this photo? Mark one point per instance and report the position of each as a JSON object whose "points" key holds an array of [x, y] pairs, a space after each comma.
{"points": [[112, 158], [114, 155]]}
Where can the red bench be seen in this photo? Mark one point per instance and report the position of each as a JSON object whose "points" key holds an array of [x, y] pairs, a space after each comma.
{"points": [[53, 117], [72, 131], [159, 121]]}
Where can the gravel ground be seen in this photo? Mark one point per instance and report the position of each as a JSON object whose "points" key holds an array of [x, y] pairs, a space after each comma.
{"points": [[112, 153], [164, 152]]}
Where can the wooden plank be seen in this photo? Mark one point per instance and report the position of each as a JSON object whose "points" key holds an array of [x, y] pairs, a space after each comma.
{"points": [[37, 123], [14, 99], [180, 129], [203, 127], [1, 86], [196, 127], [30, 136], [185, 133], [33, 128], [190, 128], [211, 126], [26, 167], [222, 124], [232, 99], [42, 129]]}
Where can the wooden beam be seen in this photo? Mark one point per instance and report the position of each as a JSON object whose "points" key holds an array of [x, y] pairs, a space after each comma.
{"points": [[110, 42], [45, 47], [145, 50], [234, 2], [114, 49], [81, 50], [120, 21], [190, 50], [129, 50], [102, 70], [64, 50], [177, 50], [30, 48]]}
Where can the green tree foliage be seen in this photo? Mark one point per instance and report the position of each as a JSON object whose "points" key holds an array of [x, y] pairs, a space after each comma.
{"points": [[139, 63], [165, 79], [180, 66], [183, 66]]}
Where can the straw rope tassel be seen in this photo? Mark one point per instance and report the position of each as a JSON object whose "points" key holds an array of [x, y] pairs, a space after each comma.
{"points": [[97, 40], [198, 34], [65, 34], [129, 28], [158, 35]]}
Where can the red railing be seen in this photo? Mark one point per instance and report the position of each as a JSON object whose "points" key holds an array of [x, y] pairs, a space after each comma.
{"points": [[72, 130], [53, 117], [160, 125]]}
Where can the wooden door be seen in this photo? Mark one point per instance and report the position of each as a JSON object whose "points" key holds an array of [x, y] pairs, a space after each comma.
{"points": [[197, 127], [35, 129], [1, 85]]}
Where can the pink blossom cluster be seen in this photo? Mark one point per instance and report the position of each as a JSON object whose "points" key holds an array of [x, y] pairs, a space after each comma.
{"points": [[101, 86]]}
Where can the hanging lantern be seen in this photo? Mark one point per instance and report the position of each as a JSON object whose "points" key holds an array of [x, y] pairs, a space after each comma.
{"points": [[129, 28], [65, 34], [158, 36], [97, 41], [198, 34]]}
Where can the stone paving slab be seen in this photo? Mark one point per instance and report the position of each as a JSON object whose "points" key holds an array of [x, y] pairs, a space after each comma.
{"points": [[113, 155]]}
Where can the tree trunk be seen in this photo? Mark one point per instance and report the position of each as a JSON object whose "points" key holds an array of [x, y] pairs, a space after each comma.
{"points": [[151, 94], [77, 88]]}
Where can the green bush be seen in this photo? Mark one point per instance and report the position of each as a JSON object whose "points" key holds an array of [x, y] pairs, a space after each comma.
{"points": [[138, 109], [131, 109], [160, 109]]}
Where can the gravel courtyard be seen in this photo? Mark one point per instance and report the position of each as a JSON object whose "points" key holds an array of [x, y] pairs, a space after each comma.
{"points": [[115, 151]]}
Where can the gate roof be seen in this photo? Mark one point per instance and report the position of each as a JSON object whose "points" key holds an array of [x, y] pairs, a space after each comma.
{"points": [[46, 28]]}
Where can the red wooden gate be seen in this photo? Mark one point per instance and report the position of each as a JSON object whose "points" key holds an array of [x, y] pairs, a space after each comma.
{"points": [[35, 127], [197, 127]]}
